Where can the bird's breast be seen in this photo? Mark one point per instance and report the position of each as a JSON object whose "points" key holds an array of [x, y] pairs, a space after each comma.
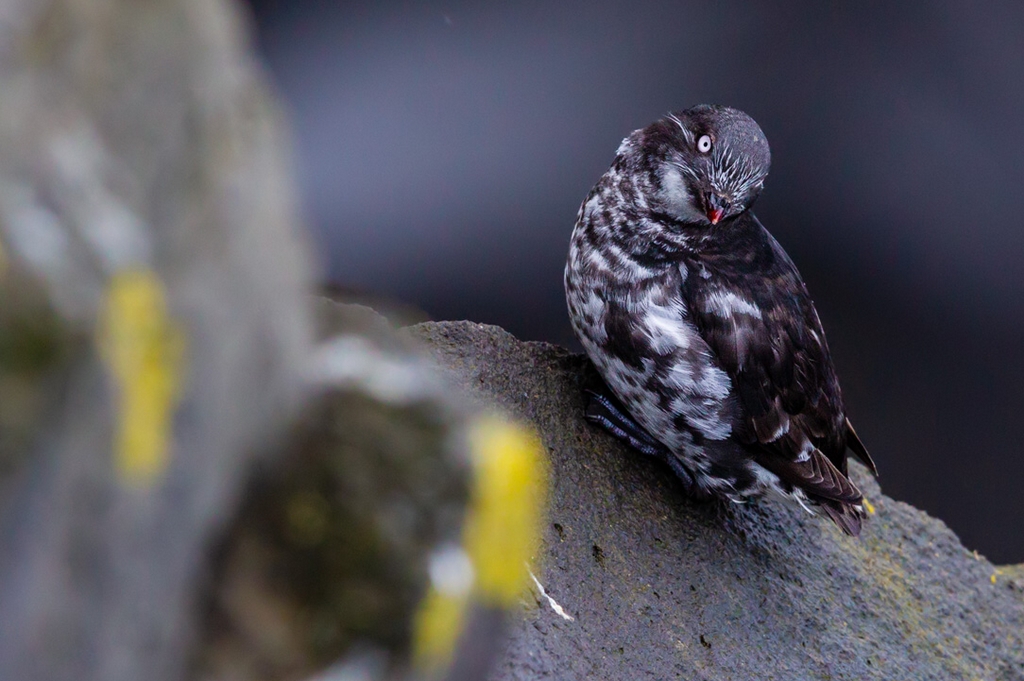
{"points": [[638, 335]]}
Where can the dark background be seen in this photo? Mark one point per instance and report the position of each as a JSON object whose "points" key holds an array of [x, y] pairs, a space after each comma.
{"points": [[443, 150]]}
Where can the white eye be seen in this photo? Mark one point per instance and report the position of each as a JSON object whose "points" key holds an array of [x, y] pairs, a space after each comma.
{"points": [[704, 144]]}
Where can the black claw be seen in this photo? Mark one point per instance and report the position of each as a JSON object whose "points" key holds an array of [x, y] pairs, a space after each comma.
{"points": [[611, 427], [605, 411], [693, 490]]}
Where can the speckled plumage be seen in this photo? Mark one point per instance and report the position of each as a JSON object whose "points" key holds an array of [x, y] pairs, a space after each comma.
{"points": [[700, 324]]}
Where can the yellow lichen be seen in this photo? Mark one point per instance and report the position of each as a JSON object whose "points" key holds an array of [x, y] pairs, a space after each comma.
{"points": [[510, 489], [501, 534], [437, 625], [896, 589], [144, 351]]}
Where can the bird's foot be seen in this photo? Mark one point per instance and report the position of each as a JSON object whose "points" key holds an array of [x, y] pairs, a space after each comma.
{"points": [[604, 410]]}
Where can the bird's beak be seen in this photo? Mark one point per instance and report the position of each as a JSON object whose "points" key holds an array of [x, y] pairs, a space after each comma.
{"points": [[715, 207]]}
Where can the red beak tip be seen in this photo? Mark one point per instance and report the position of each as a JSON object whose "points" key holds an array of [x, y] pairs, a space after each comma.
{"points": [[714, 216]]}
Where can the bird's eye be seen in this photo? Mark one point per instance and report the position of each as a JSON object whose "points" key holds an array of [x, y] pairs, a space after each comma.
{"points": [[704, 144]]}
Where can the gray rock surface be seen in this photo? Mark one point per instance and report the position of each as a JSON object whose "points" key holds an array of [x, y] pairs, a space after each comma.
{"points": [[190, 485], [325, 563], [661, 587], [142, 161]]}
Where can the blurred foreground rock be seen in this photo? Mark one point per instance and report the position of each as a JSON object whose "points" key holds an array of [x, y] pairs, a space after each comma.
{"points": [[192, 484], [326, 561], [656, 586], [155, 325]]}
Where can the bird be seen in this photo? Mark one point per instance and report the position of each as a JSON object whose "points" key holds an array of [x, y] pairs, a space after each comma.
{"points": [[710, 351]]}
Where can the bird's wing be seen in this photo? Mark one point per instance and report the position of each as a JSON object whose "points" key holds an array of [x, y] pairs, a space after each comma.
{"points": [[759, 321]]}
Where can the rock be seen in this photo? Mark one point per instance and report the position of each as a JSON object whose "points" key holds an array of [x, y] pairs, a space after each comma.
{"points": [[190, 487], [36, 349], [326, 560], [654, 585], [157, 321]]}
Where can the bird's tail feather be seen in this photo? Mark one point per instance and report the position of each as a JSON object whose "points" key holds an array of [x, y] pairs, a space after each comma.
{"points": [[847, 516], [853, 441]]}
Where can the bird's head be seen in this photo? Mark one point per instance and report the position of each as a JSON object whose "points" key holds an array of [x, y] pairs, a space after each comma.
{"points": [[709, 162]]}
